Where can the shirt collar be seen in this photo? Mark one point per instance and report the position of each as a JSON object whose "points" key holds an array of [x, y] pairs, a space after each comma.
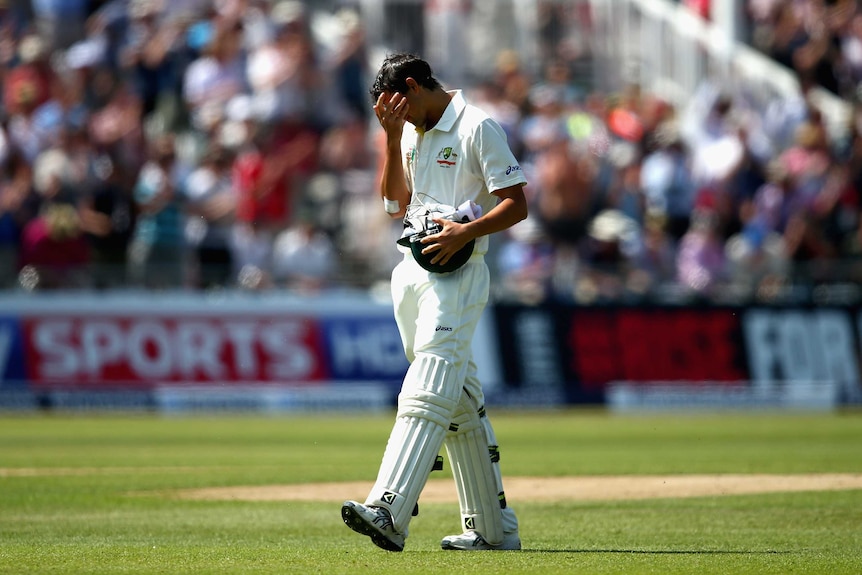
{"points": [[452, 111]]}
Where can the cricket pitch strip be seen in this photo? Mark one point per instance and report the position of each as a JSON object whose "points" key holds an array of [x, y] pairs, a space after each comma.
{"points": [[582, 488]]}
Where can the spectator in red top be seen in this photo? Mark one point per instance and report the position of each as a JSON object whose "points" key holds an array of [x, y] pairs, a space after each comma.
{"points": [[54, 251], [27, 85], [700, 7], [266, 174]]}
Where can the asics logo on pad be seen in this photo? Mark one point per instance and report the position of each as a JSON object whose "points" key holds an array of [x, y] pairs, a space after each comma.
{"points": [[443, 328], [389, 497]]}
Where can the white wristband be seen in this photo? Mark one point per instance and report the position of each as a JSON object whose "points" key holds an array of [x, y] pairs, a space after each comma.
{"points": [[391, 206]]}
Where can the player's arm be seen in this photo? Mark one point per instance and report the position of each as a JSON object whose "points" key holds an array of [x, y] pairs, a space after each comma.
{"points": [[391, 110], [510, 209]]}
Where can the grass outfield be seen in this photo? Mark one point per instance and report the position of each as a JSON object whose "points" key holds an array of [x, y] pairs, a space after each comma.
{"points": [[92, 494]]}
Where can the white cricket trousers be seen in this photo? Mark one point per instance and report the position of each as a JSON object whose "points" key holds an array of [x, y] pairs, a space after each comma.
{"points": [[437, 314]]}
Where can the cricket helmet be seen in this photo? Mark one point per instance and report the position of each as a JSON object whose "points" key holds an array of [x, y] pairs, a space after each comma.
{"points": [[456, 261]]}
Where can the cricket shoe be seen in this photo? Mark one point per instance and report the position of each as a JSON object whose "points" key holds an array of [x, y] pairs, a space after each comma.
{"points": [[472, 541], [375, 522]]}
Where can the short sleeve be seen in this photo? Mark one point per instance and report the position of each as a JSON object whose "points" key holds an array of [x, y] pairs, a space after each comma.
{"points": [[500, 168]]}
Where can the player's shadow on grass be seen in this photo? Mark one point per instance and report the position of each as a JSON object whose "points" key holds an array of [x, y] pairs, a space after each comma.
{"points": [[662, 551]]}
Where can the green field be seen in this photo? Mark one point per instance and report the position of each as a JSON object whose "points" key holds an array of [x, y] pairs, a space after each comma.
{"points": [[93, 494]]}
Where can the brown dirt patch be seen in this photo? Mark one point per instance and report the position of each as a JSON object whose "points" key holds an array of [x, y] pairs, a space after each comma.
{"points": [[552, 488]]}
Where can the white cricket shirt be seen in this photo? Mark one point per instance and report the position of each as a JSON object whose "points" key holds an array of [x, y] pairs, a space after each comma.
{"points": [[464, 157]]}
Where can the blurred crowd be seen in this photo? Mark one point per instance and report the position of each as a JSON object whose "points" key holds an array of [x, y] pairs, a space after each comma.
{"points": [[177, 144], [721, 198], [202, 145], [821, 40]]}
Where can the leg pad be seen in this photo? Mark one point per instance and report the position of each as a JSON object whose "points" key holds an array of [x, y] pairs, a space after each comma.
{"points": [[473, 471]]}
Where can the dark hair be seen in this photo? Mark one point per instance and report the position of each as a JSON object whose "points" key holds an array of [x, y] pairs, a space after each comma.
{"points": [[396, 68]]}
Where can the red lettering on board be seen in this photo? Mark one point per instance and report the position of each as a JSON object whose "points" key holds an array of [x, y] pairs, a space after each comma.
{"points": [[655, 345], [106, 350]]}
